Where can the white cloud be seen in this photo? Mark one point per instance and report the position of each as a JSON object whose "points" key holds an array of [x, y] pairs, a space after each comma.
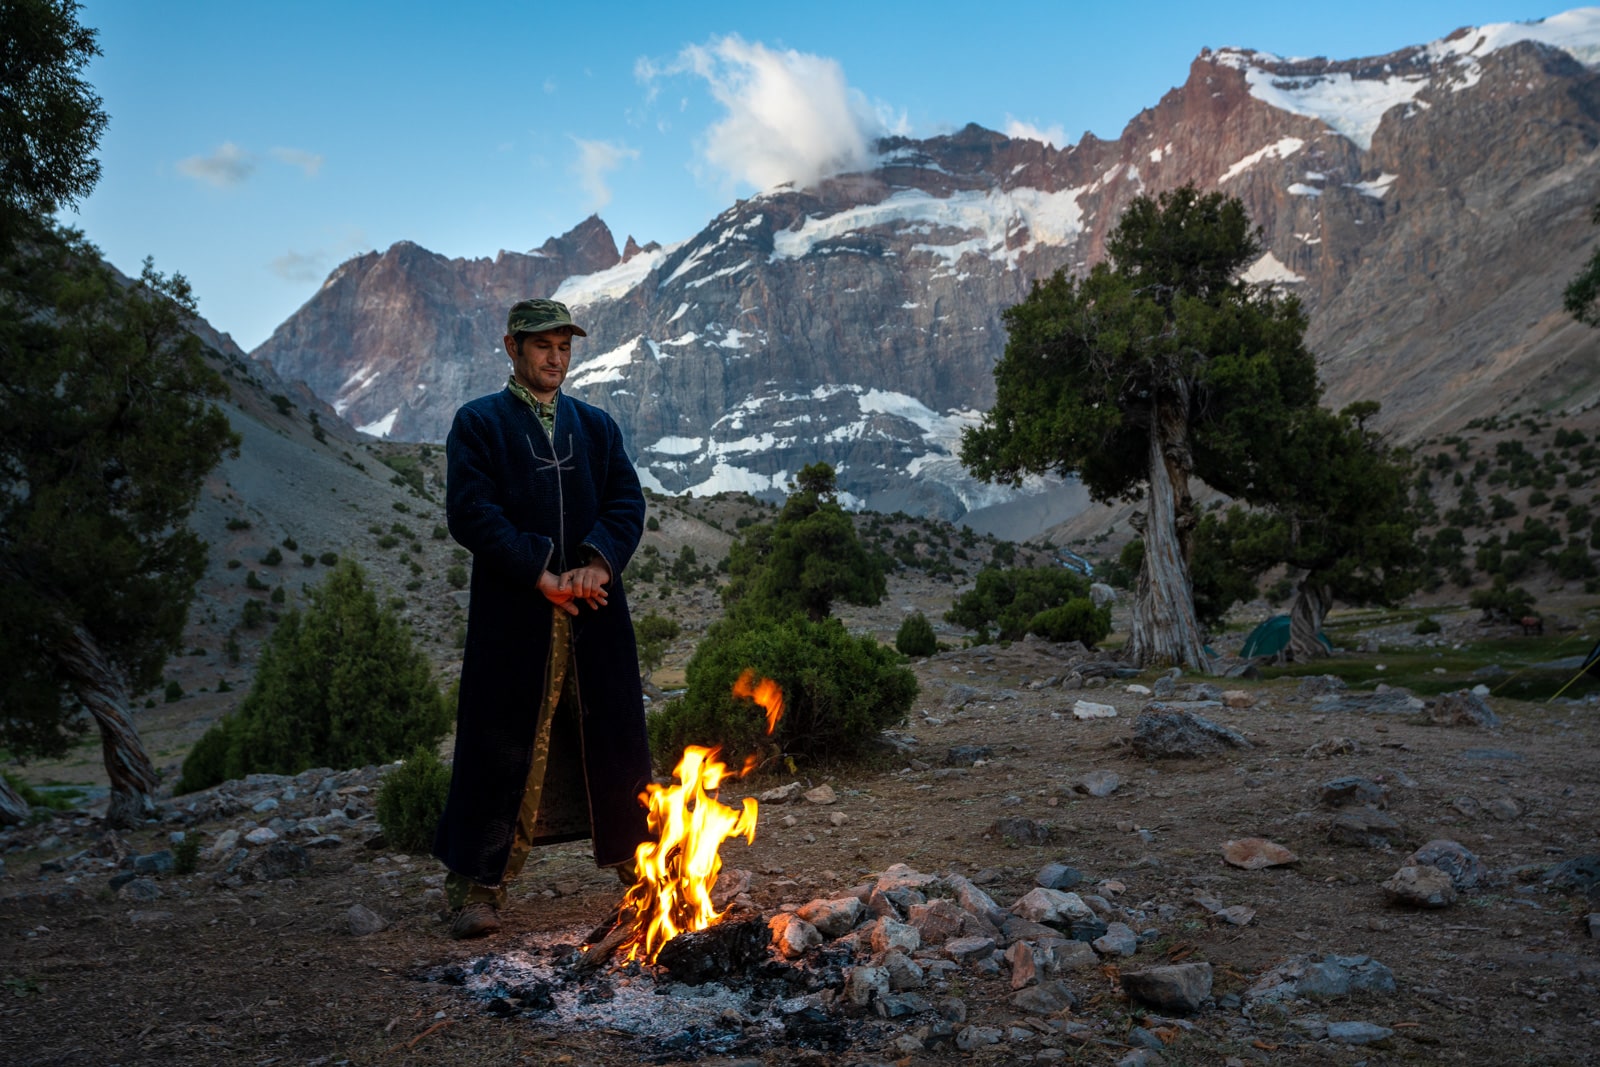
{"points": [[309, 162], [595, 159], [295, 266], [790, 116], [228, 165], [1054, 136]]}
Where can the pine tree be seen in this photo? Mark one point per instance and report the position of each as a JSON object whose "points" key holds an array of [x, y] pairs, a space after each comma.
{"points": [[341, 684], [1156, 366]]}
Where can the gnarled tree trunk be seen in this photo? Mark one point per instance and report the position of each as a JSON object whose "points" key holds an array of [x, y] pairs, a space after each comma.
{"points": [[13, 809], [1165, 630], [103, 688], [1310, 607]]}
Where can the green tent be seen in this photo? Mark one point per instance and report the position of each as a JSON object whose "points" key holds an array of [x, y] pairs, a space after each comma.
{"points": [[1272, 637]]}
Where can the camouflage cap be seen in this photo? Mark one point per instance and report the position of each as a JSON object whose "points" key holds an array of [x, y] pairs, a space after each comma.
{"points": [[536, 316]]}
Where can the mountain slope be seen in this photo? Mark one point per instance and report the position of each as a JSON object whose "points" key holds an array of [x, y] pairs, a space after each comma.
{"points": [[1427, 206]]}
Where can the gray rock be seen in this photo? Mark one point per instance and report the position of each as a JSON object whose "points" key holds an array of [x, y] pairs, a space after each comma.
{"points": [[937, 921], [1051, 907], [1581, 874], [1139, 1037], [1141, 1057], [886, 934], [1163, 688], [1357, 1033], [899, 1005], [1044, 999], [363, 921], [1118, 940], [1320, 685], [832, 918], [1161, 733], [155, 862], [792, 936], [952, 1009], [1351, 789], [1097, 783], [1067, 957], [277, 861], [1389, 702], [1058, 876], [1420, 887], [904, 972], [975, 901], [783, 794], [1332, 746], [899, 877], [1316, 976], [261, 835], [1022, 831], [1463, 708], [968, 949], [1466, 870], [1504, 808], [822, 794], [1179, 988], [140, 891], [1364, 827], [864, 984], [972, 1038], [960, 695], [1592, 922]]}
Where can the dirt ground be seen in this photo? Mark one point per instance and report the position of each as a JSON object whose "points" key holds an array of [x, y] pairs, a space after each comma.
{"points": [[270, 972]]}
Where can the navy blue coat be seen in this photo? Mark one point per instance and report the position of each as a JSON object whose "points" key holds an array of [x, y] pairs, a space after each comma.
{"points": [[522, 508]]}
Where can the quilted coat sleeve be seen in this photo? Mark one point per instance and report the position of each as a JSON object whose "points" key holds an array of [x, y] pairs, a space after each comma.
{"points": [[620, 523]]}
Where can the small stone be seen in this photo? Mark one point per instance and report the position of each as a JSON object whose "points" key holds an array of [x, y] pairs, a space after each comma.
{"points": [[968, 949], [1097, 783], [888, 934], [1592, 921], [1087, 709], [1022, 831], [1165, 733], [1503, 808], [1180, 988], [1024, 961], [1466, 870], [1142, 1038], [864, 984], [899, 1005], [1058, 876], [1332, 746], [1466, 806], [155, 862], [266, 804], [976, 1037], [1052, 907], [975, 901], [1044, 999], [822, 794], [1118, 940], [1254, 853], [792, 935], [363, 921], [904, 972], [1351, 789], [1237, 698], [277, 861], [1139, 690], [1422, 887], [1364, 827], [1067, 957], [783, 794], [833, 918], [952, 1009], [937, 921], [1358, 1033], [140, 890], [837, 818], [1163, 688], [1463, 708], [261, 835], [966, 755]]}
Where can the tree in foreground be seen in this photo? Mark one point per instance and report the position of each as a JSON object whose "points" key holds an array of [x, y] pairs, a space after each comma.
{"points": [[805, 559], [340, 685], [107, 430], [1342, 520], [1158, 366]]}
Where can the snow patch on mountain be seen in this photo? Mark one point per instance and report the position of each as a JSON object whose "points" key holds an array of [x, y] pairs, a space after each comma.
{"points": [[382, 427], [613, 283], [1376, 187], [607, 366], [1269, 269], [1281, 149]]}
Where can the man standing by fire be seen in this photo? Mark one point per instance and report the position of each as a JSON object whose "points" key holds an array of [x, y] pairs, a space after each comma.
{"points": [[550, 734]]}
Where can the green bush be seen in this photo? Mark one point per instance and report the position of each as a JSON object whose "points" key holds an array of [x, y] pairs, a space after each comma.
{"points": [[186, 854], [291, 544], [1076, 620], [272, 558], [254, 583], [277, 596], [1502, 602], [254, 614], [340, 685], [652, 523], [173, 691], [653, 633], [440, 533], [329, 559], [411, 800], [1009, 599], [456, 576], [1427, 626], [307, 559], [915, 636], [839, 692]]}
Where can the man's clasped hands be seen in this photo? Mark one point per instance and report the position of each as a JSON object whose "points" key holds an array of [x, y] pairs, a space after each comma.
{"points": [[586, 583]]}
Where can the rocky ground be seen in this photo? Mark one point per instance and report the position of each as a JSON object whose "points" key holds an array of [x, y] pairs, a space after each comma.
{"points": [[1025, 867]]}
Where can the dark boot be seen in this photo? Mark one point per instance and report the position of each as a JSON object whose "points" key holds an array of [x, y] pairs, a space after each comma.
{"points": [[475, 920]]}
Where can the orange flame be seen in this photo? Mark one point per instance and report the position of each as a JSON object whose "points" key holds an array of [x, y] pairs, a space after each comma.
{"points": [[678, 870]]}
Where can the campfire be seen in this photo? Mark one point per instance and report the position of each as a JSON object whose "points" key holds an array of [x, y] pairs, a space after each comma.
{"points": [[679, 869]]}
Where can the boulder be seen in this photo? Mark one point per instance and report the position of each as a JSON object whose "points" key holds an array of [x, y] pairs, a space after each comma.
{"points": [[1179, 988], [1163, 733]]}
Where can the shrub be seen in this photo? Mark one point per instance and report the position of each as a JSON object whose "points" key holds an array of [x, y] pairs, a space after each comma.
{"points": [[1427, 626], [238, 524], [1502, 602], [254, 583], [456, 576], [277, 596], [254, 614], [654, 633], [652, 523], [186, 854], [1010, 599], [1076, 620], [388, 541], [307, 559], [915, 636], [440, 533], [234, 564], [411, 800], [173, 691], [291, 544], [340, 685], [329, 559], [839, 692]]}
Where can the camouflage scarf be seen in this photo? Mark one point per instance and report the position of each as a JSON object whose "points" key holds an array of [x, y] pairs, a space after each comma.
{"points": [[545, 412]]}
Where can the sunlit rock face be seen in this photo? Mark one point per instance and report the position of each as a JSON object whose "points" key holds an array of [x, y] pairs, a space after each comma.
{"points": [[1426, 206]]}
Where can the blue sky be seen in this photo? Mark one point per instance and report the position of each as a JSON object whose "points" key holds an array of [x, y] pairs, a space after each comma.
{"points": [[255, 146]]}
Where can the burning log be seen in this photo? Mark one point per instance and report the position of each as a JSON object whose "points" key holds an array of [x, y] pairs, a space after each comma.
{"points": [[730, 947]]}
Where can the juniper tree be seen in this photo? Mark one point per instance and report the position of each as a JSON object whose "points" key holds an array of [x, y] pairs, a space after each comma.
{"points": [[1157, 366]]}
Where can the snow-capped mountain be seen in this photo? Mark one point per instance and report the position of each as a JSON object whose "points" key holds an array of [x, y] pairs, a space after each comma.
{"points": [[1427, 206]]}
